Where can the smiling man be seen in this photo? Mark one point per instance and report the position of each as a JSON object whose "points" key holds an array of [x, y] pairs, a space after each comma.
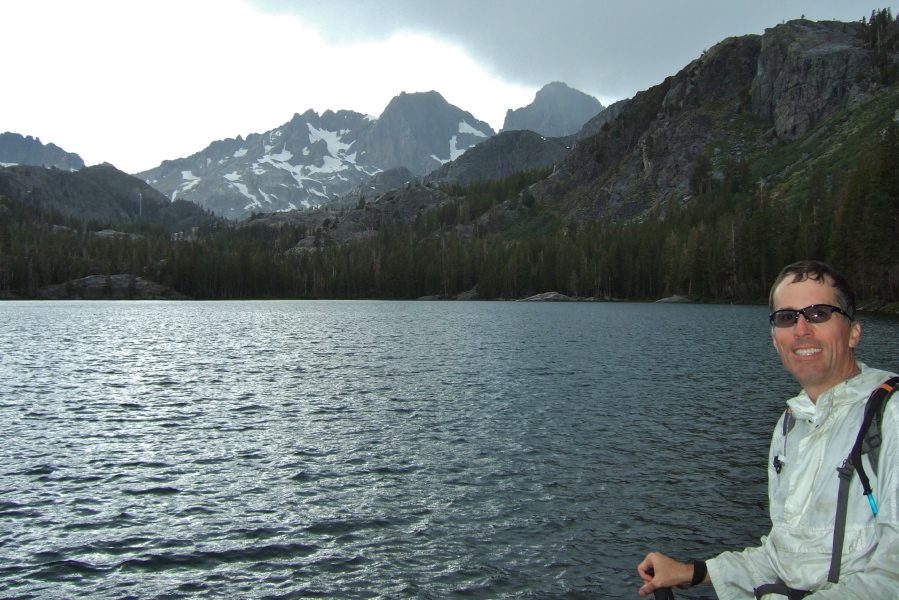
{"points": [[817, 350], [814, 331]]}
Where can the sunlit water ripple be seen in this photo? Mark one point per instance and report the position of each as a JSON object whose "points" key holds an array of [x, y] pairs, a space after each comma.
{"points": [[379, 449]]}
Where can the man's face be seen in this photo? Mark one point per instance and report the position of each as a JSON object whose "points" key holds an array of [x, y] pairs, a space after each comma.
{"points": [[818, 355]]}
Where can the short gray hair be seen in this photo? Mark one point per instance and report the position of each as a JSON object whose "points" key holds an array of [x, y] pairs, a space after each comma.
{"points": [[817, 271]]}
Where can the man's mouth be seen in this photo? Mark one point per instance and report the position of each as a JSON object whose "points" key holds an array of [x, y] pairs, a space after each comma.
{"points": [[806, 351]]}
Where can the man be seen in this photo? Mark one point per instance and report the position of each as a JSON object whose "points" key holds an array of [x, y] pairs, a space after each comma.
{"points": [[814, 332]]}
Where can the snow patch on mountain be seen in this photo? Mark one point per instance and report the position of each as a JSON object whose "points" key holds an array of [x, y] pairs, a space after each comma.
{"points": [[190, 181], [332, 139], [454, 151], [244, 190], [296, 171], [466, 128], [282, 156], [329, 165]]}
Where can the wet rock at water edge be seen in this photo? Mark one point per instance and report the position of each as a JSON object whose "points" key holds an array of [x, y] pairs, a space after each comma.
{"points": [[112, 287]]}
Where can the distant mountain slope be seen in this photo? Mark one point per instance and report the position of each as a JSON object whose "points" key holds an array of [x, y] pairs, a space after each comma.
{"points": [[101, 193], [372, 189], [505, 154], [557, 111], [740, 99], [313, 159], [326, 227], [16, 149], [608, 114], [496, 158]]}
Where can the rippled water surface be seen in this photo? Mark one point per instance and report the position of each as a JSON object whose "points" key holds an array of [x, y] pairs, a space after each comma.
{"points": [[379, 449]]}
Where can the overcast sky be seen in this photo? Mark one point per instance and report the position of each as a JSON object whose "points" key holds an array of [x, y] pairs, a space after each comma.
{"points": [[136, 82]]}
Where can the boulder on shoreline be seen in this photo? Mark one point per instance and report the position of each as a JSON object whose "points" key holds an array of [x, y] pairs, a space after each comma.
{"points": [[548, 297], [676, 300], [113, 287], [471, 294]]}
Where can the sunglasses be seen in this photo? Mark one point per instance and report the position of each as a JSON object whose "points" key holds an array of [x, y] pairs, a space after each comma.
{"points": [[816, 313]]}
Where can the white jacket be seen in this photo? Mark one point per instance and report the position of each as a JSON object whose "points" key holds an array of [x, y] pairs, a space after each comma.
{"points": [[802, 502]]}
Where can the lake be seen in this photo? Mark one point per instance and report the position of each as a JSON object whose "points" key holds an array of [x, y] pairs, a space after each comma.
{"points": [[305, 449]]}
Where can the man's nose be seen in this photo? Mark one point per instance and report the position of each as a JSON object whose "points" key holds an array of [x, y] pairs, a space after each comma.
{"points": [[802, 326]]}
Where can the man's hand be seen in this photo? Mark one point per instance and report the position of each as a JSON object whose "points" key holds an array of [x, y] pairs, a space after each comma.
{"points": [[667, 572]]}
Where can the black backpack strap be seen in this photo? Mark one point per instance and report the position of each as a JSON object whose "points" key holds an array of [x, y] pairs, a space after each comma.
{"points": [[866, 440], [839, 526], [779, 587]]}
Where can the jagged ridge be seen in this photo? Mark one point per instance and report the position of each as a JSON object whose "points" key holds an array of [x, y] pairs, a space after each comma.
{"points": [[314, 159], [16, 149]]}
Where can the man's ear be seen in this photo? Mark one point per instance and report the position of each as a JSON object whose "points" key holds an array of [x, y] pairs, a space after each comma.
{"points": [[855, 334]]}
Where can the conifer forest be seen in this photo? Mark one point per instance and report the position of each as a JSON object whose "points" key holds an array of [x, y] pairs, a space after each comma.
{"points": [[727, 245]]}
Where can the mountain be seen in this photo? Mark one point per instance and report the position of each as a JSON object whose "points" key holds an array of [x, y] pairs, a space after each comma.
{"points": [[740, 101], [557, 111], [420, 132], [503, 155], [16, 149], [327, 227], [377, 186], [304, 162], [595, 125], [397, 193], [101, 193], [315, 158], [744, 101]]}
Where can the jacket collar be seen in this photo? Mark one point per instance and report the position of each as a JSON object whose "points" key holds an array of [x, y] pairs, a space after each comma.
{"points": [[852, 390]]}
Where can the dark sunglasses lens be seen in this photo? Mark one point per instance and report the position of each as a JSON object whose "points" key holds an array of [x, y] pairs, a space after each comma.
{"points": [[818, 314], [783, 318]]}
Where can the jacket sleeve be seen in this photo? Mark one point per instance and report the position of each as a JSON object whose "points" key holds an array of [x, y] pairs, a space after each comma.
{"points": [[736, 574], [880, 578]]}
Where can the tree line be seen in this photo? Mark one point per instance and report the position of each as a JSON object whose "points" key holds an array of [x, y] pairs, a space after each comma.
{"points": [[725, 245]]}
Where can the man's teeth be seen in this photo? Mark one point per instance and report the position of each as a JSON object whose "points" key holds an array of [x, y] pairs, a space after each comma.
{"points": [[807, 351]]}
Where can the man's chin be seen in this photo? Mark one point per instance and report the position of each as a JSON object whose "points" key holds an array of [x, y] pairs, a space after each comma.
{"points": [[808, 376]]}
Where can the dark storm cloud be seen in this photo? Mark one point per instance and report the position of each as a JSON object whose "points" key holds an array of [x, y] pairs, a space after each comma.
{"points": [[608, 49]]}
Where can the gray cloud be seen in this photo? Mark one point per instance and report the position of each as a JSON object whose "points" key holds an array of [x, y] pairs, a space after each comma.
{"points": [[610, 49]]}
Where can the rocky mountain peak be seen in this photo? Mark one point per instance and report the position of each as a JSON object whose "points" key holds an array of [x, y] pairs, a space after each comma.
{"points": [[809, 70], [421, 131], [557, 111], [16, 149]]}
